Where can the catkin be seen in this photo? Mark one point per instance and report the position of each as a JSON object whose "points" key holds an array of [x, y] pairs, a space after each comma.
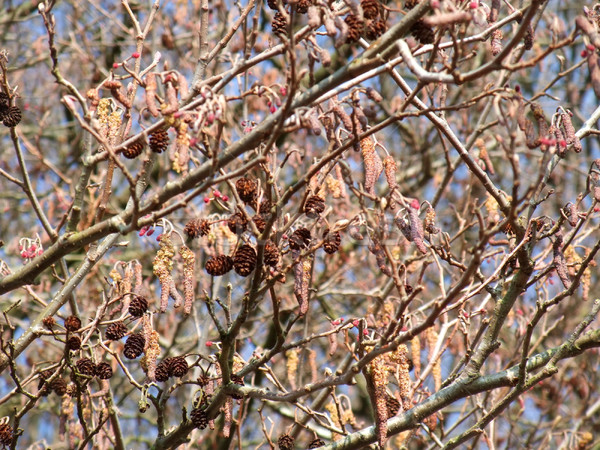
{"points": [[189, 260], [151, 88], [432, 337], [162, 268], [373, 165], [292, 366]]}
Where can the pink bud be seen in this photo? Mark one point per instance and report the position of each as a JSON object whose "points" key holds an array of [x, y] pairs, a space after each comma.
{"points": [[209, 343], [193, 141], [210, 118], [150, 232], [466, 314], [435, 4], [355, 322], [584, 53], [217, 194], [177, 114], [414, 204], [474, 4], [206, 199], [335, 322], [283, 90], [365, 332], [159, 237], [596, 208], [40, 252], [135, 55], [225, 198], [590, 47], [115, 65], [562, 143], [273, 108], [23, 254]]}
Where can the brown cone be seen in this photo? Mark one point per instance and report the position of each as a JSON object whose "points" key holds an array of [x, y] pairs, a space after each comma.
{"points": [[72, 323], [86, 366], [299, 239], [422, 32], [219, 265], [316, 443], [260, 223], [6, 434], [199, 418], [159, 140], [370, 8], [279, 24], [244, 260], [162, 370], [285, 442], [393, 405], [196, 227], [237, 223], [332, 241], [133, 150], [177, 366], [134, 346], [138, 306], [116, 331], [246, 189], [271, 254], [59, 386], [314, 206], [104, 371], [12, 117], [355, 26], [375, 28], [74, 343]]}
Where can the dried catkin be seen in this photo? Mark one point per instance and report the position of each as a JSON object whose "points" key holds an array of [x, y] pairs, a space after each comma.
{"points": [[373, 165], [432, 337], [415, 350], [227, 410], [171, 99], [416, 227], [403, 375], [379, 379], [333, 341], [496, 42], [189, 261], [292, 366], [376, 248], [559, 261], [181, 156], [116, 90], [151, 355], [302, 271], [162, 268], [484, 156], [390, 167], [151, 89], [570, 135]]}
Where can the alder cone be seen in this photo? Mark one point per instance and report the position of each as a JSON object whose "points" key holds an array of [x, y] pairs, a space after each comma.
{"points": [[4, 103], [138, 306], [6, 434], [410, 4], [199, 418], [196, 228], [49, 322], [302, 6], [370, 8], [219, 265], [159, 140], [237, 223], [59, 386], [116, 331], [104, 371], [134, 346], [177, 366], [316, 443], [244, 260], [299, 239], [279, 24], [265, 207], [332, 241], [271, 254], [133, 150], [314, 206], [260, 222], [240, 382], [285, 442], [273, 4], [162, 370], [12, 117], [422, 32], [74, 343], [247, 189], [393, 405], [374, 29], [355, 26], [86, 366], [72, 323]]}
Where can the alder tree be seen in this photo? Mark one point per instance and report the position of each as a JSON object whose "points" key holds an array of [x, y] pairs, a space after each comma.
{"points": [[299, 224]]}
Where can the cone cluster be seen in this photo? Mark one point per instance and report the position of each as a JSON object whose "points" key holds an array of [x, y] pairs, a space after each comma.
{"points": [[116, 331], [355, 26], [244, 260], [138, 306], [219, 265], [246, 188], [279, 24], [375, 28], [370, 8], [159, 140], [196, 228], [134, 346], [199, 418]]}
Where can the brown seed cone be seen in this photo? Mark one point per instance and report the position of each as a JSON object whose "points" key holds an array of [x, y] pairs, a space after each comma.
{"points": [[116, 331], [271, 254], [260, 222], [375, 28], [159, 140], [177, 366], [279, 24], [138, 306], [370, 8], [49, 322], [237, 223], [86, 366], [273, 4], [285, 442], [393, 405], [247, 190], [316, 443], [422, 32], [410, 4], [265, 207], [162, 370], [59, 386], [332, 241], [240, 382], [12, 117], [199, 418], [4, 102], [134, 346], [196, 227], [299, 239], [72, 323], [355, 26], [244, 260], [219, 265], [6, 434], [74, 343], [528, 39], [133, 150], [314, 206], [104, 371], [302, 6]]}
